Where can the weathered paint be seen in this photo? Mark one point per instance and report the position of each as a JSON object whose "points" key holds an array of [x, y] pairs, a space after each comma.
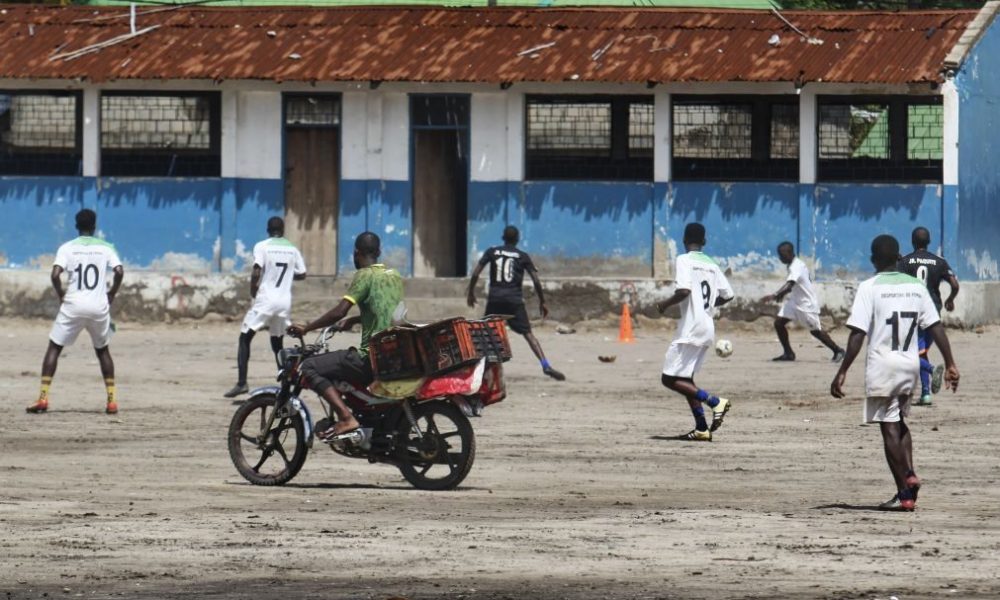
{"points": [[170, 225], [978, 223], [383, 207]]}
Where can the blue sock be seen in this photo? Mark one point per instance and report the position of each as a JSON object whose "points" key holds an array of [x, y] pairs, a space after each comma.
{"points": [[926, 368], [703, 396], [699, 419], [545, 364]]}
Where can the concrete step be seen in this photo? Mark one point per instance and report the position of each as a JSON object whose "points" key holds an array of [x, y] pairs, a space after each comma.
{"points": [[317, 288]]}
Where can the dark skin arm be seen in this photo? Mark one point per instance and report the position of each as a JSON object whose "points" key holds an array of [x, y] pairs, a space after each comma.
{"points": [[331, 317], [720, 301], [949, 304], [255, 280], [56, 278], [538, 291], [940, 338], [677, 297], [470, 294], [781, 293], [116, 283], [299, 276]]}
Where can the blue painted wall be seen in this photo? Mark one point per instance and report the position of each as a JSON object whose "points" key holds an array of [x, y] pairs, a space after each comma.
{"points": [[167, 224], [383, 207], [978, 214]]}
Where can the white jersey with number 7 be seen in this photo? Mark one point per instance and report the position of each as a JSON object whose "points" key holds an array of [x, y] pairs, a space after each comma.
{"points": [[697, 272], [86, 261], [890, 309], [279, 261]]}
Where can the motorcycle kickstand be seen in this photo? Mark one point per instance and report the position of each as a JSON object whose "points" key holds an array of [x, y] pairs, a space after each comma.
{"points": [[412, 419]]}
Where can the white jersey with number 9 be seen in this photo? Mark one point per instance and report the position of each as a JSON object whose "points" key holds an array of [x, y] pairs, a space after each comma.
{"points": [[698, 273], [87, 261]]}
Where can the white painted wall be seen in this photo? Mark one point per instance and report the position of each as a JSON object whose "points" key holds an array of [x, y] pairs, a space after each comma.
{"points": [[808, 155], [662, 126], [950, 108], [488, 136], [258, 135], [515, 136], [395, 137], [91, 132], [354, 135]]}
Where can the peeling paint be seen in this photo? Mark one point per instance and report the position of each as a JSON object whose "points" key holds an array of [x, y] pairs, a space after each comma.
{"points": [[982, 263]]}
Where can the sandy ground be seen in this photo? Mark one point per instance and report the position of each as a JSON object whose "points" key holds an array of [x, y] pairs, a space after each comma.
{"points": [[573, 494]]}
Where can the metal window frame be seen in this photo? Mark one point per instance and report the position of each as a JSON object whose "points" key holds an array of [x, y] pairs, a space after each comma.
{"points": [[77, 96], [760, 166], [286, 96], [895, 169], [618, 165]]}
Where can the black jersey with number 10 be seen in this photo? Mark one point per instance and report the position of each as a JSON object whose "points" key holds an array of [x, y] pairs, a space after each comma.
{"points": [[507, 267]]}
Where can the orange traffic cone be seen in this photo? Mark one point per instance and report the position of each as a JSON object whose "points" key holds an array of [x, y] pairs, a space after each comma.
{"points": [[625, 326]]}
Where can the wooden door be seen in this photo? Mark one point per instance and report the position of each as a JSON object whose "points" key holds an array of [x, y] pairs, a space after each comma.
{"points": [[440, 201], [312, 188]]}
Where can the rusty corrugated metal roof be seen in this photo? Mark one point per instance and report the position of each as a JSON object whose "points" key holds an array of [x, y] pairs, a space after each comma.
{"points": [[477, 45]]}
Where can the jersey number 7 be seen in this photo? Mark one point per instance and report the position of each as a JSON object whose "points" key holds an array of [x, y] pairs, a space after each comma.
{"points": [[894, 321], [281, 276]]}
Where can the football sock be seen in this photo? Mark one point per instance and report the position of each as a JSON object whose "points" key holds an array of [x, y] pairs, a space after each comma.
{"points": [[545, 364], [699, 419], [703, 396], [109, 383], [926, 368], [43, 393]]}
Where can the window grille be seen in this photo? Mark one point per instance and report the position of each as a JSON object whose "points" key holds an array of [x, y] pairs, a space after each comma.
{"points": [[733, 138], [438, 110], [40, 133], [312, 111], [164, 135], [888, 138], [589, 137]]}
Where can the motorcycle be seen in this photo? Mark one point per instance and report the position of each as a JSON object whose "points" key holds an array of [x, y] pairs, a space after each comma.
{"points": [[422, 427]]}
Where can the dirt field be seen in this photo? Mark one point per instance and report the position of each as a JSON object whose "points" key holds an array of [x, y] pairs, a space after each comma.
{"points": [[573, 494]]}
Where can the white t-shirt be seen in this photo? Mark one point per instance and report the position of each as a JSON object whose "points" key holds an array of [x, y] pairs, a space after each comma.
{"points": [[890, 309], [802, 297], [697, 272], [87, 262], [279, 261]]}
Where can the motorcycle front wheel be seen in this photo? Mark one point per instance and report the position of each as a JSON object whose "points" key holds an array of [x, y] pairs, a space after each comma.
{"points": [[270, 457], [441, 456]]}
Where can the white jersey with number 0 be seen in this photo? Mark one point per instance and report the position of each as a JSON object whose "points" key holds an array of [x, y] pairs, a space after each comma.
{"points": [[802, 297], [701, 275], [87, 261], [279, 261], [890, 308]]}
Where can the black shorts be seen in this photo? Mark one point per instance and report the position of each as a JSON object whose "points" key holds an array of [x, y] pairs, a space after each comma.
{"points": [[340, 365], [519, 323]]}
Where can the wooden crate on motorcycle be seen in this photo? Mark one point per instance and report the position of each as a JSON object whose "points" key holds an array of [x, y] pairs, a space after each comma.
{"points": [[395, 354], [446, 345], [489, 338]]}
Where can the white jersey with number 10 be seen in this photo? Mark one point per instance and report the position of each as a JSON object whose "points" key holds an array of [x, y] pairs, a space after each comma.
{"points": [[87, 261], [701, 275], [890, 309]]}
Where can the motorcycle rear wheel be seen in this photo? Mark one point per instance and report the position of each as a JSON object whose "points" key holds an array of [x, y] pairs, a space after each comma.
{"points": [[442, 456], [267, 458]]}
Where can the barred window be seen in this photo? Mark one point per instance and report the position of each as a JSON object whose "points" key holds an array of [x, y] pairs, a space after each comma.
{"points": [[721, 138], [312, 111], [888, 138], [589, 137], [40, 133], [160, 135]]}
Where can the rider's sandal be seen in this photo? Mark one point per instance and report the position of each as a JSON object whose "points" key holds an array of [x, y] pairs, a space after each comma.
{"points": [[328, 435]]}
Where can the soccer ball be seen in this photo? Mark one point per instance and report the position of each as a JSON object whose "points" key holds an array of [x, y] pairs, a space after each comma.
{"points": [[724, 348]]}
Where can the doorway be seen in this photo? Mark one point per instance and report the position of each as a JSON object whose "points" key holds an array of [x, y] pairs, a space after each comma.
{"points": [[312, 178], [440, 159]]}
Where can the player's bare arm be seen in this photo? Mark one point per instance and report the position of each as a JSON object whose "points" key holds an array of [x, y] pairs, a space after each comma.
{"points": [[298, 276], [951, 375], [56, 278], [116, 283], [949, 304], [538, 291], [780, 294], [854, 344], [470, 294], [255, 280], [720, 301], [332, 317], [677, 297], [348, 323]]}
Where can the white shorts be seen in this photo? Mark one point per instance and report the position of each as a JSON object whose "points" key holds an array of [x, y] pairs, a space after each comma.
{"points": [[255, 321], [806, 319], [65, 329], [886, 409], [683, 360]]}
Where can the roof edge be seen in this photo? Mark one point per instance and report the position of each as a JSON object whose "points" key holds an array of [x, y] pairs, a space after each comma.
{"points": [[973, 32]]}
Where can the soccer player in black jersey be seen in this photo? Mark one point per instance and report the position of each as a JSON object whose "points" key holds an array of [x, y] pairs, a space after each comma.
{"points": [[506, 296], [930, 269]]}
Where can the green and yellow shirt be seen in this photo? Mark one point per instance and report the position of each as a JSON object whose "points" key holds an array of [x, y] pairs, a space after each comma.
{"points": [[376, 291]]}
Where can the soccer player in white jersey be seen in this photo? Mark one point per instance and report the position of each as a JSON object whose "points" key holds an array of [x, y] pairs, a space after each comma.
{"points": [[276, 262], [86, 304], [801, 305], [890, 308], [700, 287]]}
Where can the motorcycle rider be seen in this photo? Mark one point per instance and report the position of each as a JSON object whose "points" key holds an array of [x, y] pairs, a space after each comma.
{"points": [[377, 291]]}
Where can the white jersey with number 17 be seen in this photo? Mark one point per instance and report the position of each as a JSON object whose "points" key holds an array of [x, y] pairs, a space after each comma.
{"points": [[696, 272], [890, 308], [279, 261], [86, 261]]}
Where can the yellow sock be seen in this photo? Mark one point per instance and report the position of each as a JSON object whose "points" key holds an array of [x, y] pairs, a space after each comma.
{"points": [[109, 383], [43, 394]]}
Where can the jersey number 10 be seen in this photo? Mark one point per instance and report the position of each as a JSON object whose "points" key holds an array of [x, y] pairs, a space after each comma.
{"points": [[503, 269], [83, 276]]}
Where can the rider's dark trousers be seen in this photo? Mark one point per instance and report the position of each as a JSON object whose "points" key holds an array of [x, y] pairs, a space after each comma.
{"points": [[340, 365]]}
